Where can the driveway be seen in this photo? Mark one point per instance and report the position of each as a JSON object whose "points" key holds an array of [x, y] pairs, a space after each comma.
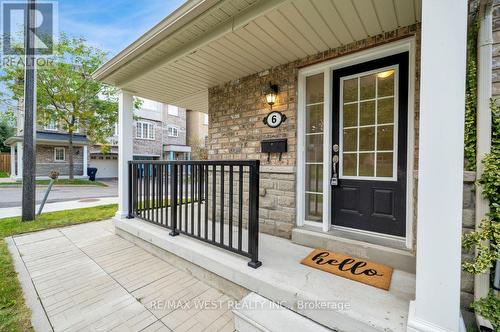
{"points": [[86, 278], [12, 196]]}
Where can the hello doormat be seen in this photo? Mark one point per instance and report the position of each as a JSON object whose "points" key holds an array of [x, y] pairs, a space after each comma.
{"points": [[373, 274]]}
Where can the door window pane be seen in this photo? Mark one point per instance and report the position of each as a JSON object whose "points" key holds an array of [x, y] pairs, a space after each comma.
{"points": [[314, 118], [384, 164], [385, 110], [314, 150], [366, 164], [367, 113], [350, 164], [385, 138], [314, 89], [367, 87], [385, 82], [350, 90], [350, 139], [314, 178], [350, 115], [314, 207], [367, 139]]}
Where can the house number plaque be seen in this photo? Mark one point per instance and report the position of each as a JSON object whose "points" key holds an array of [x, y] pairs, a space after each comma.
{"points": [[274, 119]]}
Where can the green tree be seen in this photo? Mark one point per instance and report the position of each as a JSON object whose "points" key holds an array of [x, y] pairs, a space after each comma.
{"points": [[6, 131], [66, 93]]}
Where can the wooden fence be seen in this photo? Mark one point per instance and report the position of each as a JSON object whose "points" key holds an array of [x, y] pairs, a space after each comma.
{"points": [[5, 162]]}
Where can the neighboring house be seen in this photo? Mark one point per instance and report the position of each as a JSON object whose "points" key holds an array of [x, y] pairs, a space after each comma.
{"points": [[197, 128], [159, 134], [51, 150], [373, 93]]}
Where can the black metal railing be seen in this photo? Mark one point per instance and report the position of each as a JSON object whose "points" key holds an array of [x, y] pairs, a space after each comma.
{"points": [[213, 201]]}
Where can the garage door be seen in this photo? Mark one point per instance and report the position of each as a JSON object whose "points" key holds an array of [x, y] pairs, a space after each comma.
{"points": [[106, 168]]}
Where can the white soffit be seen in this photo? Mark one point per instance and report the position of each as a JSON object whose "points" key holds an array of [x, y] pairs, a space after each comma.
{"points": [[236, 38]]}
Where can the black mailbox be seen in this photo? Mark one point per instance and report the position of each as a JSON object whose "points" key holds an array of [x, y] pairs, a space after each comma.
{"points": [[275, 145], [278, 145]]}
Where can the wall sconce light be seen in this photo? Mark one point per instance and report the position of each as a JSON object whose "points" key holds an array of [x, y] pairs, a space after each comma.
{"points": [[271, 94]]}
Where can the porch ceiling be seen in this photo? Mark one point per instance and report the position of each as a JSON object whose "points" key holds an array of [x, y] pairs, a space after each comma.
{"points": [[207, 42]]}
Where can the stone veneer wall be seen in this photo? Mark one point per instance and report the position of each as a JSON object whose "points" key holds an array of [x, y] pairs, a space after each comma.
{"points": [[45, 161], [468, 224], [496, 49], [236, 111]]}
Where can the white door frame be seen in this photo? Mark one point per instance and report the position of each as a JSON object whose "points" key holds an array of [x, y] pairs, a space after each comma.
{"points": [[403, 45]]}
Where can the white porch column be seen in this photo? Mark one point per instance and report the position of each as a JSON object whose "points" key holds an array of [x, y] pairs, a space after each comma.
{"points": [[85, 160], [125, 144], [12, 161], [19, 174], [440, 172]]}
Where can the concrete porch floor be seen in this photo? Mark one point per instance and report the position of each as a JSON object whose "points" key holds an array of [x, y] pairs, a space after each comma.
{"points": [[89, 279], [347, 305]]}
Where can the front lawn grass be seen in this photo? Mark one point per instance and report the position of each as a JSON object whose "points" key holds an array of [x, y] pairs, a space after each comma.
{"points": [[63, 182], [14, 314]]}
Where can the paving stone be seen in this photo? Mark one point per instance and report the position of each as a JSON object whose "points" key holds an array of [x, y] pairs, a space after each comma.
{"points": [[89, 279]]}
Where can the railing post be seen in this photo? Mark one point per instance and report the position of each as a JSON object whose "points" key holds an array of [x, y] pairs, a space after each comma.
{"points": [[130, 192], [173, 200], [253, 220]]}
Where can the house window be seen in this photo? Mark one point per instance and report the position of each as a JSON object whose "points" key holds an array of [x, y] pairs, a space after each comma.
{"points": [[314, 148], [172, 131], [205, 119], [59, 154], [173, 110], [145, 130], [52, 125]]}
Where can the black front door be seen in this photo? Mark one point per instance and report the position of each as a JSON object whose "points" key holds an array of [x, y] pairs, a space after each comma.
{"points": [[370, 113]]}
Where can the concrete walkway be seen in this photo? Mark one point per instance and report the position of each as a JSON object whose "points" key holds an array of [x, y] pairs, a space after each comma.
{"points": [[59, 206], [89, 279]]}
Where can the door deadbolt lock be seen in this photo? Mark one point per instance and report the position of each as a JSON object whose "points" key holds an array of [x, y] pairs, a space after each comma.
{"points": [[335, 148]]}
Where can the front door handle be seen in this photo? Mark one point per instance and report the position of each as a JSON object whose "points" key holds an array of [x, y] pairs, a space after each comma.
{"points": [[335, 160], [335, 178]]}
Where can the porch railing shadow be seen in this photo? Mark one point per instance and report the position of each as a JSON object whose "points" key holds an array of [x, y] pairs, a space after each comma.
{"points": [[216, 202]]}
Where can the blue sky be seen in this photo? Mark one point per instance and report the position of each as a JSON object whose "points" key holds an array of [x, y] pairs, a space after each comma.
{"points": [[111, 25]]}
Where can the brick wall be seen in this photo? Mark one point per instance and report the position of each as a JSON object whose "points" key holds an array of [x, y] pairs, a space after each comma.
{"points": [[178, 121], [147, 147], [236, 111], [45, 161]]}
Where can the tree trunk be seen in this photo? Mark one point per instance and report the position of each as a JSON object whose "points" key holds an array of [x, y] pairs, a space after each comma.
{"points": [[70, 158]]}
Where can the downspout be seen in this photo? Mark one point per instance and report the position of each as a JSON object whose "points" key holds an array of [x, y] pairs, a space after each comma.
{"points": [[483, 145]]}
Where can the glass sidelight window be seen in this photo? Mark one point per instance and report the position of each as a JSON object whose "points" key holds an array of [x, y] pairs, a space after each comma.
{"points": [[314, 148], [367, 122]]}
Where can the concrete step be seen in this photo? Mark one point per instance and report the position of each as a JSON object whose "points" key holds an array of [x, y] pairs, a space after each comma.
{"points": [[398, 258], [257, 314]]}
